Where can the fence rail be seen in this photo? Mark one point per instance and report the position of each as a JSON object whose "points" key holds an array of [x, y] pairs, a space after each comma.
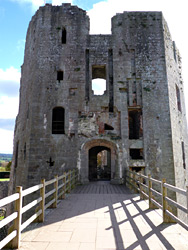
{"points": [[68, 181], [136, 181]]}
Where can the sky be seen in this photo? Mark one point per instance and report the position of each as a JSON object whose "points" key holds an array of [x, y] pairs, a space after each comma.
{"points": [[15, 16]]}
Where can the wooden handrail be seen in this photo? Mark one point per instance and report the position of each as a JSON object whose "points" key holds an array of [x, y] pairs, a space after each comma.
{"points": [[9, 199], [68, 181], [168, 215]]}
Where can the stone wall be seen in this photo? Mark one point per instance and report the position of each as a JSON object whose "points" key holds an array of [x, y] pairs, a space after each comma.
{"points": [[3, 189]]}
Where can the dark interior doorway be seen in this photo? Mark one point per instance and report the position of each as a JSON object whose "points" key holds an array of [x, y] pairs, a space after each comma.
{"points": [[99, 163]]}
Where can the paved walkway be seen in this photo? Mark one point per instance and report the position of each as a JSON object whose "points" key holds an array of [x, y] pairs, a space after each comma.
{"points": [[97, 217]]}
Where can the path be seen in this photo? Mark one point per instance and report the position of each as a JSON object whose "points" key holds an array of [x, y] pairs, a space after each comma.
{"points": [[101, 216]]}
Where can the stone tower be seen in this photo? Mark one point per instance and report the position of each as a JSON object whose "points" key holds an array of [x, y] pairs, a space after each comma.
{"points": [[138, 122]]}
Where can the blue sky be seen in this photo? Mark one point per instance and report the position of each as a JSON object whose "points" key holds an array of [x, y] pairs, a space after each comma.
{"points": [[14, 19]]}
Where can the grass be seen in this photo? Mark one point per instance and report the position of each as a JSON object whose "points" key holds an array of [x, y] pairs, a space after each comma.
{"points": [[1, 217], [2, 169], [5, 179]]}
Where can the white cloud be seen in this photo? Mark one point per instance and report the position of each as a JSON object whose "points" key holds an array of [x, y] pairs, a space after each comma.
{"points": [[102, 12], [6, 142], [9, 83], [59, 2], [11, 74], [9, 93], [9, 101], [35, 4], [8, 107], [7, 124]]}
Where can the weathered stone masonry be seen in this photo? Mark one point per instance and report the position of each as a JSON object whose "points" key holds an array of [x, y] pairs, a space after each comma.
{"points": [[139, 120]]}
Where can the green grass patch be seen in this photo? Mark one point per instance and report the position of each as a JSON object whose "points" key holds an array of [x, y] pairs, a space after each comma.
{"points": [[2, 169], [1, 217], [5, 179]]}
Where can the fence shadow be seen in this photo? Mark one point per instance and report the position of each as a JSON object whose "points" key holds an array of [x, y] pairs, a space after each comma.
{"points": [[123, 217]]}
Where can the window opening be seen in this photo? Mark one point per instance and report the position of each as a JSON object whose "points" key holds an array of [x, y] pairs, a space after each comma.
{"points": [[135, 124], [174, 50], [136, 169], [108, 127], [136, 154], [24, 151], [99, 79], [99, 86], [59, 76], [87, 86], [16, 154], [58, 120], [64, 36], [178, 98], [111, 80], [28, 111], [183, 154]]}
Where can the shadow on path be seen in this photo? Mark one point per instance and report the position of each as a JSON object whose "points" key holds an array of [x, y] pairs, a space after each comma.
{"points": [[104, 216]]}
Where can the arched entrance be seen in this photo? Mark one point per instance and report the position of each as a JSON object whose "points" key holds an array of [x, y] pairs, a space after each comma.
{"points": [[99, 163], [87, 160]]}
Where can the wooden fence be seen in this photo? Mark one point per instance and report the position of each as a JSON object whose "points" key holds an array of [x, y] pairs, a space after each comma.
{"points": [[61, 185], [158, 198]]}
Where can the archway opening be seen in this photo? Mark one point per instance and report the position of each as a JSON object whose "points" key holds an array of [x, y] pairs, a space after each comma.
{"points": [[99, 163]]}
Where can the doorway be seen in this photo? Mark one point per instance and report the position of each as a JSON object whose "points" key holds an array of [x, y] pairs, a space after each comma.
{"points": [[99, 163]]}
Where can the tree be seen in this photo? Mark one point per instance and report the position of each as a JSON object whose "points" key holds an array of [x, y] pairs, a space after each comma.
{"points": [[8, 166]]}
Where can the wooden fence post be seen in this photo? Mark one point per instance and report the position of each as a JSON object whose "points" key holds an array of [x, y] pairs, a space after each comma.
{"points": [[134, 182], [76, 176], [151, 205], [164, 203], [141, 188], [73, 179], [131, 181], [55, 196], [17, 222], [149, 190], [64, 186], [42, 203], [69, 182], [166, 218]]}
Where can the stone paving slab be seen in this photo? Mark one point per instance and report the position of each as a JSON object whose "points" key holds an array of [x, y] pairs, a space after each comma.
{"points": [[104, 221]]}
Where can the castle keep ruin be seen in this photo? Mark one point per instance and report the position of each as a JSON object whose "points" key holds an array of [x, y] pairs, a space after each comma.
{"points": [[138, 122]]}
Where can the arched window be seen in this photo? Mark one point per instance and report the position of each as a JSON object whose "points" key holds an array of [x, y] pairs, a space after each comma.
{"points": [[58, 120], [64, 36]]}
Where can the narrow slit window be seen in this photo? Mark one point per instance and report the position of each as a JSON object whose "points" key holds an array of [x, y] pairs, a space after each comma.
{"points": [[178, 98], [58, 120], [183, 154], [16, 154], [64, 36], [24, 151], [174, 50], [59, 76]]}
